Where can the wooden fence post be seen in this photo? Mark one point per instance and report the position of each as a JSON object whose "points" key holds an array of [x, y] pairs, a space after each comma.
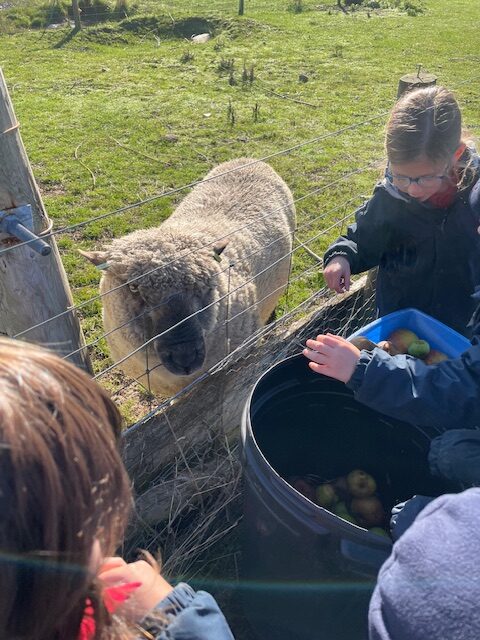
{"points": [[33, 287], [241, 7], [76, 15], [415, 81]]}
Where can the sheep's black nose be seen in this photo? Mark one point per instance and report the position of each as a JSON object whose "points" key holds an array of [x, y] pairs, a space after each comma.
{"points": [[183, 359]]}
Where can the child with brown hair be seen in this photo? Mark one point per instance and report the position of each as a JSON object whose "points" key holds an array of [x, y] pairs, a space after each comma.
{"points": [[66, 499], [420, 227]]}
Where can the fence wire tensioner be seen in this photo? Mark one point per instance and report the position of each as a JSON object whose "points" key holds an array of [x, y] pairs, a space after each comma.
{"points": [[18, 223]]}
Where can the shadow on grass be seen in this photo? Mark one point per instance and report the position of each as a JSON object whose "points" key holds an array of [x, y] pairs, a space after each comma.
{"points": [[66, 38]]}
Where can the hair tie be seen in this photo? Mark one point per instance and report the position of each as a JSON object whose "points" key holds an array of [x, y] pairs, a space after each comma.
{"points": [[113, 597]]}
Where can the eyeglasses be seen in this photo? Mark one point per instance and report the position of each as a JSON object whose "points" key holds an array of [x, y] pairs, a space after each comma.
{"points": [[423, 181]]}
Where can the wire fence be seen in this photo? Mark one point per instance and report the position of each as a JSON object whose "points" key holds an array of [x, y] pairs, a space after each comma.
{"points": [[182, 449], [309, 239]]}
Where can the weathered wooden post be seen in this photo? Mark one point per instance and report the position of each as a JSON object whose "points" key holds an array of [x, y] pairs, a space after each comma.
{"points": [[415, 81], [33, 286], [241, 7], [76, 15]]}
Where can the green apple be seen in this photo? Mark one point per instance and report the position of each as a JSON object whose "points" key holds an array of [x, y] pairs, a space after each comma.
{"points": [[348, 517], [419, 348], [325, 495], [361, 484], [379, 532], [340, 509], [401, 339]]}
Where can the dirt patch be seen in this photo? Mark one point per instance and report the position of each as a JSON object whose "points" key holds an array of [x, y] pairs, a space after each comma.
{"points": [[167, 28]]}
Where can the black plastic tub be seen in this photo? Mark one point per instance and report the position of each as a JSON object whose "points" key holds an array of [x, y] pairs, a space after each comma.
{"points": [[308, 574]]}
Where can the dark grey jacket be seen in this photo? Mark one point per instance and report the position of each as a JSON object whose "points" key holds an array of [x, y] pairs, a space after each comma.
{"points": [[428, 257], [445, 395]]}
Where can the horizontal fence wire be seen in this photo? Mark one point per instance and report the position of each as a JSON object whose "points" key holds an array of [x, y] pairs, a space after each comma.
{"points": [[184, 254], [218, 301], [165, 194], [301, 243]]}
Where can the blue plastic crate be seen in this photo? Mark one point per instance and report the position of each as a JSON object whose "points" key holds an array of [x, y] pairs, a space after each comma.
{"points": [[437, 334]]}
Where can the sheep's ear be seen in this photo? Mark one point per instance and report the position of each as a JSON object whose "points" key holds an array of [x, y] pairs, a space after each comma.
{"points": [[99, 258], [218, 248]]}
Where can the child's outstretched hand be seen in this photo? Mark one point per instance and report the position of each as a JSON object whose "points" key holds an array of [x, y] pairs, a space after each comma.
{"points": [[337, 274], [332, 356], [140, 580]]}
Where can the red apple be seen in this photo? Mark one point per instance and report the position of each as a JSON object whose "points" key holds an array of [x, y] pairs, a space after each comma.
{"points": [[361, 484], [389, 347], [341, 487], [435, 356], [401, 339], [361, 342], [303, 486], [369, 511]]}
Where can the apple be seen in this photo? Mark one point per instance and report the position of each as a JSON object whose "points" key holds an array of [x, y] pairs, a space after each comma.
{"points": [[401, 339], [389, 347], [340, 509], [361, 342], [369, 511], [435, 356], [349, 518], [419, 348], [379, 532], [325, 495], [303, 486], [361, 484], [341, 487]]}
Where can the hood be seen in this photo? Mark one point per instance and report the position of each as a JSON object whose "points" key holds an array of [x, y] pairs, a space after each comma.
{"points": [[429, 588]]}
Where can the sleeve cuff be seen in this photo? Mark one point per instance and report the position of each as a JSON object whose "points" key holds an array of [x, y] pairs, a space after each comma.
{"points": [[358, 375], [178, 599]]}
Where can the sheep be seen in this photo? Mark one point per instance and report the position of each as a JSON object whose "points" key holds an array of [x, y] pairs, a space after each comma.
{"points": [[212, 273]]}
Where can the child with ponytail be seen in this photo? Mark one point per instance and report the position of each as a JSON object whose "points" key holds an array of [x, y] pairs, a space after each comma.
{"points": [[65, 499]]}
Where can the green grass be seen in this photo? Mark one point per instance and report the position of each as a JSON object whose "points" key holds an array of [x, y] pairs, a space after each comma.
{"points": [[125, 110]]}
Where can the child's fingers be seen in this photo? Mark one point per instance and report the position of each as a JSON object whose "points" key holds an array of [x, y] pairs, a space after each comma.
{"points": [[328, 340], [323, 369], [111, 563], [116, 575], [339, 286], [315, 356], [337, 339], [318, 346]]}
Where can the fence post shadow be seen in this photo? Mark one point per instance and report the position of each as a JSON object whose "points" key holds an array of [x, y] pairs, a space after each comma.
{"points": [[66, 38]]}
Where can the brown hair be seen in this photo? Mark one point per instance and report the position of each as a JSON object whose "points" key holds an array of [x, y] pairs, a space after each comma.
{"points": [[424, 123], [62, 486]]}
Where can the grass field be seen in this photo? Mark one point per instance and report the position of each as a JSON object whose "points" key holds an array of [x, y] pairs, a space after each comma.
{"points": [[126, 110]]}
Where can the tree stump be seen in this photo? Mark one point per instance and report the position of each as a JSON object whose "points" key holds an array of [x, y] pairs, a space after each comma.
{"points": [[415, 81]]}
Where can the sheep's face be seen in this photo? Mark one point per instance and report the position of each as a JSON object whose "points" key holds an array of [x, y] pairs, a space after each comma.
{"points": [[178, 325], [173, 306]]}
